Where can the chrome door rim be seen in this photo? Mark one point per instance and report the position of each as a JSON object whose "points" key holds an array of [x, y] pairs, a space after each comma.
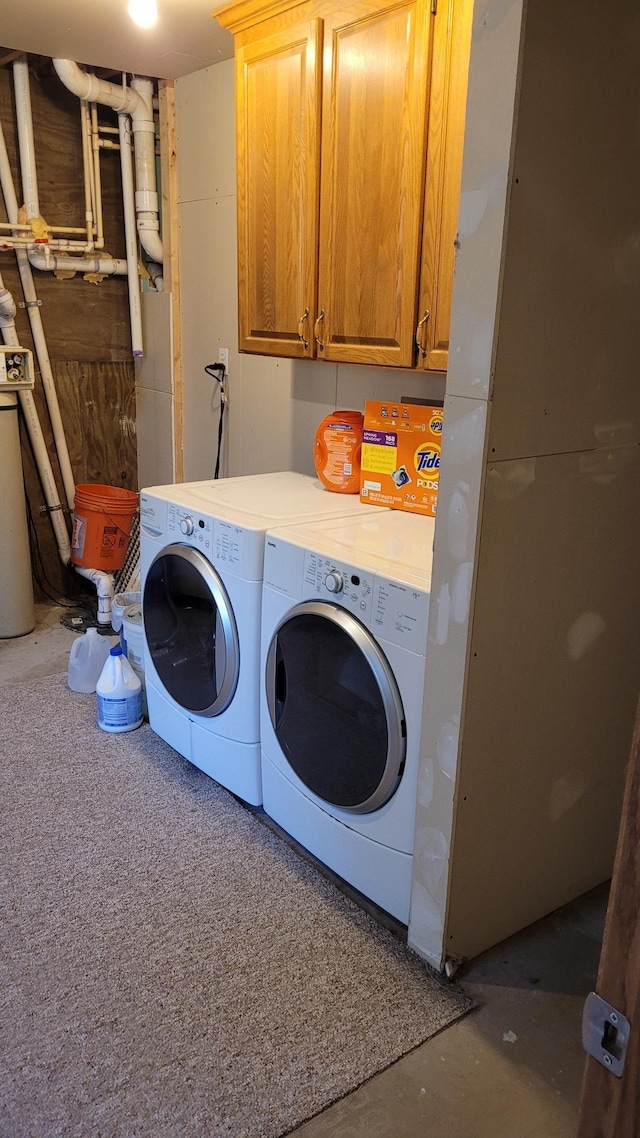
{"points": [[199, 562], [387, 686]]}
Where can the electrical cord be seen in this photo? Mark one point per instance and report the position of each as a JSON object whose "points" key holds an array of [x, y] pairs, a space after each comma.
{"points": [[213, 370], [38, 565], [40, 572]]}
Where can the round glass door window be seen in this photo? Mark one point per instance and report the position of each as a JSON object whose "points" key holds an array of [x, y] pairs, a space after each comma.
{"points": [[335, 707], [191, 631]]}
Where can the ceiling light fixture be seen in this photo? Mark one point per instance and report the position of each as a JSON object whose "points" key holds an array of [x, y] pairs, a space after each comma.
{"points": [[143, 12]]}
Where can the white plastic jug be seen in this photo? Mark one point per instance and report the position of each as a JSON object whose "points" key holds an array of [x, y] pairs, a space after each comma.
{"points": [[86, 661], [119, 694]]}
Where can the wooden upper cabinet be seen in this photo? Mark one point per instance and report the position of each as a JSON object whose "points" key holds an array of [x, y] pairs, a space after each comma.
{"points": [[278, 132], [376, 64], [447, 107], [342, 114]]}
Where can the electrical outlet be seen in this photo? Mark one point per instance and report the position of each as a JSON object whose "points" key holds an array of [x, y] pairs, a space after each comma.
{"points": [[223, 358]]}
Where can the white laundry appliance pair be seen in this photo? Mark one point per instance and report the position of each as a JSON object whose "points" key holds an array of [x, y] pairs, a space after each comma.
{"points": [[201, 554], [343, 651]]}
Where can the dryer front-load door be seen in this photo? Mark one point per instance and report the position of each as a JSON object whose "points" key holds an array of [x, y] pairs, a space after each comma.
{"points": [[335, 707], [190, 630]]}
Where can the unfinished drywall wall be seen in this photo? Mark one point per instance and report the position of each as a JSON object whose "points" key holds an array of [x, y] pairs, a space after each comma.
{"points": [[533, 671], [488, 137], [155, 395], [554, 669], [86, 325]]}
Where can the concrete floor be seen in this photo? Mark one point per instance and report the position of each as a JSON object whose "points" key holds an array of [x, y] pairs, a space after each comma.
{"points": [[510, 1069]]}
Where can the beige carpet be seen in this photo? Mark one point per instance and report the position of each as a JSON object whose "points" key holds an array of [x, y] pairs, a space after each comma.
{"points": [[170, 968]]}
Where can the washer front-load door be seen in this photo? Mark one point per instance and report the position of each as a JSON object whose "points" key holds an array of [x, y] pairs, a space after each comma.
{"points": [[191, 630], [335, 707]]}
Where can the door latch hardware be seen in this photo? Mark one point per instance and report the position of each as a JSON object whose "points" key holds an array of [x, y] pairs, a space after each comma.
{"points": [[605, 1033]]}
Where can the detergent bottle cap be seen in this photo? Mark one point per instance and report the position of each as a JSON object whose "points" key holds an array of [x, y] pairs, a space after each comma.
{"points": [[116, 650]]}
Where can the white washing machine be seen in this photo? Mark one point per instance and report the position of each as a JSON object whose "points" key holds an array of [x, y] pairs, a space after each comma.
{"points": [[343, 647], [201, 556]]}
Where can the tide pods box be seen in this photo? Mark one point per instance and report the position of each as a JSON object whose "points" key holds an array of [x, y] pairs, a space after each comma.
{"points": [[400, 461]]}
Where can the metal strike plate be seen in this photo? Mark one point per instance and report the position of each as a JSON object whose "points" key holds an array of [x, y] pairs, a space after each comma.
{"points": [[605, 1033], [16, 368]]}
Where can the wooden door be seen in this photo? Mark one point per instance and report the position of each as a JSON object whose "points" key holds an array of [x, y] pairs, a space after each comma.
{"points": [[278, 135], [376, 67], [451, 48], [610, 1106]]}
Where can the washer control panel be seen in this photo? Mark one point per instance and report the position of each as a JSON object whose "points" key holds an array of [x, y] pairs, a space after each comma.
{"points": [[189, 528]]}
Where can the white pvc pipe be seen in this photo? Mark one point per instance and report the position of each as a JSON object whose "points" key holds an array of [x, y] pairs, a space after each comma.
{"points": [[30, 413], [41, 256], [87, 172], [147, 207], [87, 157], [136, 101], [95, 145], [104, 588], [42, 260], [51, 262], [126, 165], [37, 330], [25, 137], [54, 505], [18, 606]]}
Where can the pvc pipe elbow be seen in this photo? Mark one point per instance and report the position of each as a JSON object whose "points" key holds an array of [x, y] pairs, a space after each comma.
{"points": [[151, 243], [104, 587], [7, 308], [155, 274], [96, 90]]}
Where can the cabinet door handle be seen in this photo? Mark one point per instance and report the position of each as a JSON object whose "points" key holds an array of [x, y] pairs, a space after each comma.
{"points": [[421, 333], [316, 330], [302, 331]]}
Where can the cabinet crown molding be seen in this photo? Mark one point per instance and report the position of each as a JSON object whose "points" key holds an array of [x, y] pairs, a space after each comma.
{"points": [[242, 14]]}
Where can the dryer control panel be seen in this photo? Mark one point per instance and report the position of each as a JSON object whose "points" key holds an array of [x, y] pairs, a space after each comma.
{"points": [[325, 579], [394, 610]]}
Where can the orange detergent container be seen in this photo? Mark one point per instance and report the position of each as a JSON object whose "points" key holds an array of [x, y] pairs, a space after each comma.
{"points": [[337, 450]]}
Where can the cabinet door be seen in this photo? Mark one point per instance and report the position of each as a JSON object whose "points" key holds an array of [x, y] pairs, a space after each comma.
{"points": [[376, 64], [278, 133], [451, 47]]}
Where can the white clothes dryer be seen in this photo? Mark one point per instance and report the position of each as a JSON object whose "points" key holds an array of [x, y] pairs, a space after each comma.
{"points": [[343, 649], [201, 556]]}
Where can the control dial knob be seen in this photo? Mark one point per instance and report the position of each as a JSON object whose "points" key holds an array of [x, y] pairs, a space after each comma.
{"points": [[334, 581], [186, 525]]}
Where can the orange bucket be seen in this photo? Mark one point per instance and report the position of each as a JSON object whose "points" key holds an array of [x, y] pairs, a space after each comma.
{"points": [[102, 520]]}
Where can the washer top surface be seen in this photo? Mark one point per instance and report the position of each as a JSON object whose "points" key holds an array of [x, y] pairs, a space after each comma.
{"points": [[261, 501], [386, 542]]}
